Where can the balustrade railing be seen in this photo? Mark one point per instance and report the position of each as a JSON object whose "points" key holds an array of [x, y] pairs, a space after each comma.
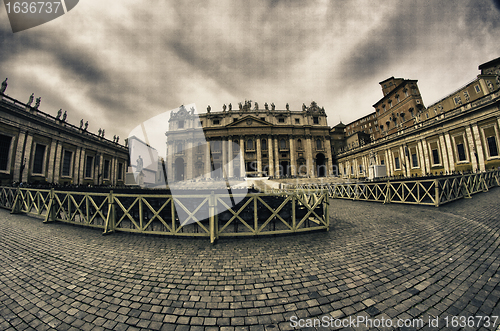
{"points": [[207, 215]]}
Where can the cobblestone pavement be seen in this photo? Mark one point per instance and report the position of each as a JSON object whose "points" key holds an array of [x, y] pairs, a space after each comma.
{"points": [[379, 262]]}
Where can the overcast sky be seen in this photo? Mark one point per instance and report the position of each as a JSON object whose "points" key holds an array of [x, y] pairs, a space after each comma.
{"points": [[119, 63]]}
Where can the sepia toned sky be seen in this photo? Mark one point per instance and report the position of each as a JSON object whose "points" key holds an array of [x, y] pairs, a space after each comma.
{"points": [[119, 63]]}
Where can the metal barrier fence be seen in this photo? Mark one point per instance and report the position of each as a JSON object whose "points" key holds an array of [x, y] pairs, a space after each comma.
{"points": [[434, 192], [255, 214]]}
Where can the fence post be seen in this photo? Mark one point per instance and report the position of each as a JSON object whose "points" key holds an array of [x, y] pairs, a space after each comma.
{"points": [[16, 205], [51, 215], [388, 193], [327, 216], [211, 213], [109, 226], [436, 189]]}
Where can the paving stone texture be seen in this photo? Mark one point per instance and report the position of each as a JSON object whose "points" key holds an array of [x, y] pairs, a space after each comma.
{"points": [[397, 262]]}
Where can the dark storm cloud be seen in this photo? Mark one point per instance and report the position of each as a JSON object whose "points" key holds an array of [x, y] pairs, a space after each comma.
{"points": [[254, 42], [419, 29], [497, 4]]}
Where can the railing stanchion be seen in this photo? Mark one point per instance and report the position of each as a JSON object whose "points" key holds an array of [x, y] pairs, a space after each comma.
{"points": [[51, 214], [109, 226], [16, 205], [436, 189], [211, 213]]}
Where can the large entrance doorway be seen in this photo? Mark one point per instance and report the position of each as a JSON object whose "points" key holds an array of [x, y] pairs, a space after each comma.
{"points": [[179, 169], [284, 169], [320, 165]]}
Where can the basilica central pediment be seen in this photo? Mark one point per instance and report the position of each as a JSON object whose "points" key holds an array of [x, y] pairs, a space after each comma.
{"points": [[248, 121]]}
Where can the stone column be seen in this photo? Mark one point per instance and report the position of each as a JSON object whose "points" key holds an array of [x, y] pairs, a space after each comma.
{"points": [[52, 161], [230, 157], [259, 155], [57, 162], [100, 174], [81, 171], [406, 159], [293, 161], [421, 158], [449, 150], [444, 153], [189, 159], [113, 171], [76, 165], [389, 163], [208, 166], [20, 155], [329, 157], [224, 158], [270, 153], [276, 159], [479, 146], [242, 157], [309, 158], [470, 142], [426, 155]]}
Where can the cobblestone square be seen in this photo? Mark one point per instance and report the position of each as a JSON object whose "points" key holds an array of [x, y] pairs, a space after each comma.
{"points": [[392, 262]]}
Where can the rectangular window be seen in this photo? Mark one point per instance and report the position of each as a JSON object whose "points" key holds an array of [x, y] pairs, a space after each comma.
{"points": [[216, 122], [89, 167], [281, 120], [492, 146], [181, 124], [459, 142], [297, 121], [66, 166], [106, 169], [38, 159], [120, 171], [477, 88], [461, 152], [490, 135], [5, 142], [316, 120], [435, 154], [397, 166], [414, 157]]}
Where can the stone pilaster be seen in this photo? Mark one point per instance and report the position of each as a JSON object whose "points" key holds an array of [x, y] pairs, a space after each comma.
{"points": [[208, 166], [270, 151], [449, 150], [242, 157], [293, 161], [231, 157], [444, 153], [259, 155], [479, 146]]}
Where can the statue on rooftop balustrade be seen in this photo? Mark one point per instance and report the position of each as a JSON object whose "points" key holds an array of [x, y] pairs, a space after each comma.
{"points": [[4, 86], [59, 113], [65, 115], [30, 101], [37, 102], [287, 106]]}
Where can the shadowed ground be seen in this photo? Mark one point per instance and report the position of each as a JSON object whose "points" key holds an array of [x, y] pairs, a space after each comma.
{"points": [[378, 261]]}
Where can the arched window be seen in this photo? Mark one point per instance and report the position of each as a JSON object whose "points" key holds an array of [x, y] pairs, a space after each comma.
{"points": [[282, 144], [250, 144], [264, 144]]}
